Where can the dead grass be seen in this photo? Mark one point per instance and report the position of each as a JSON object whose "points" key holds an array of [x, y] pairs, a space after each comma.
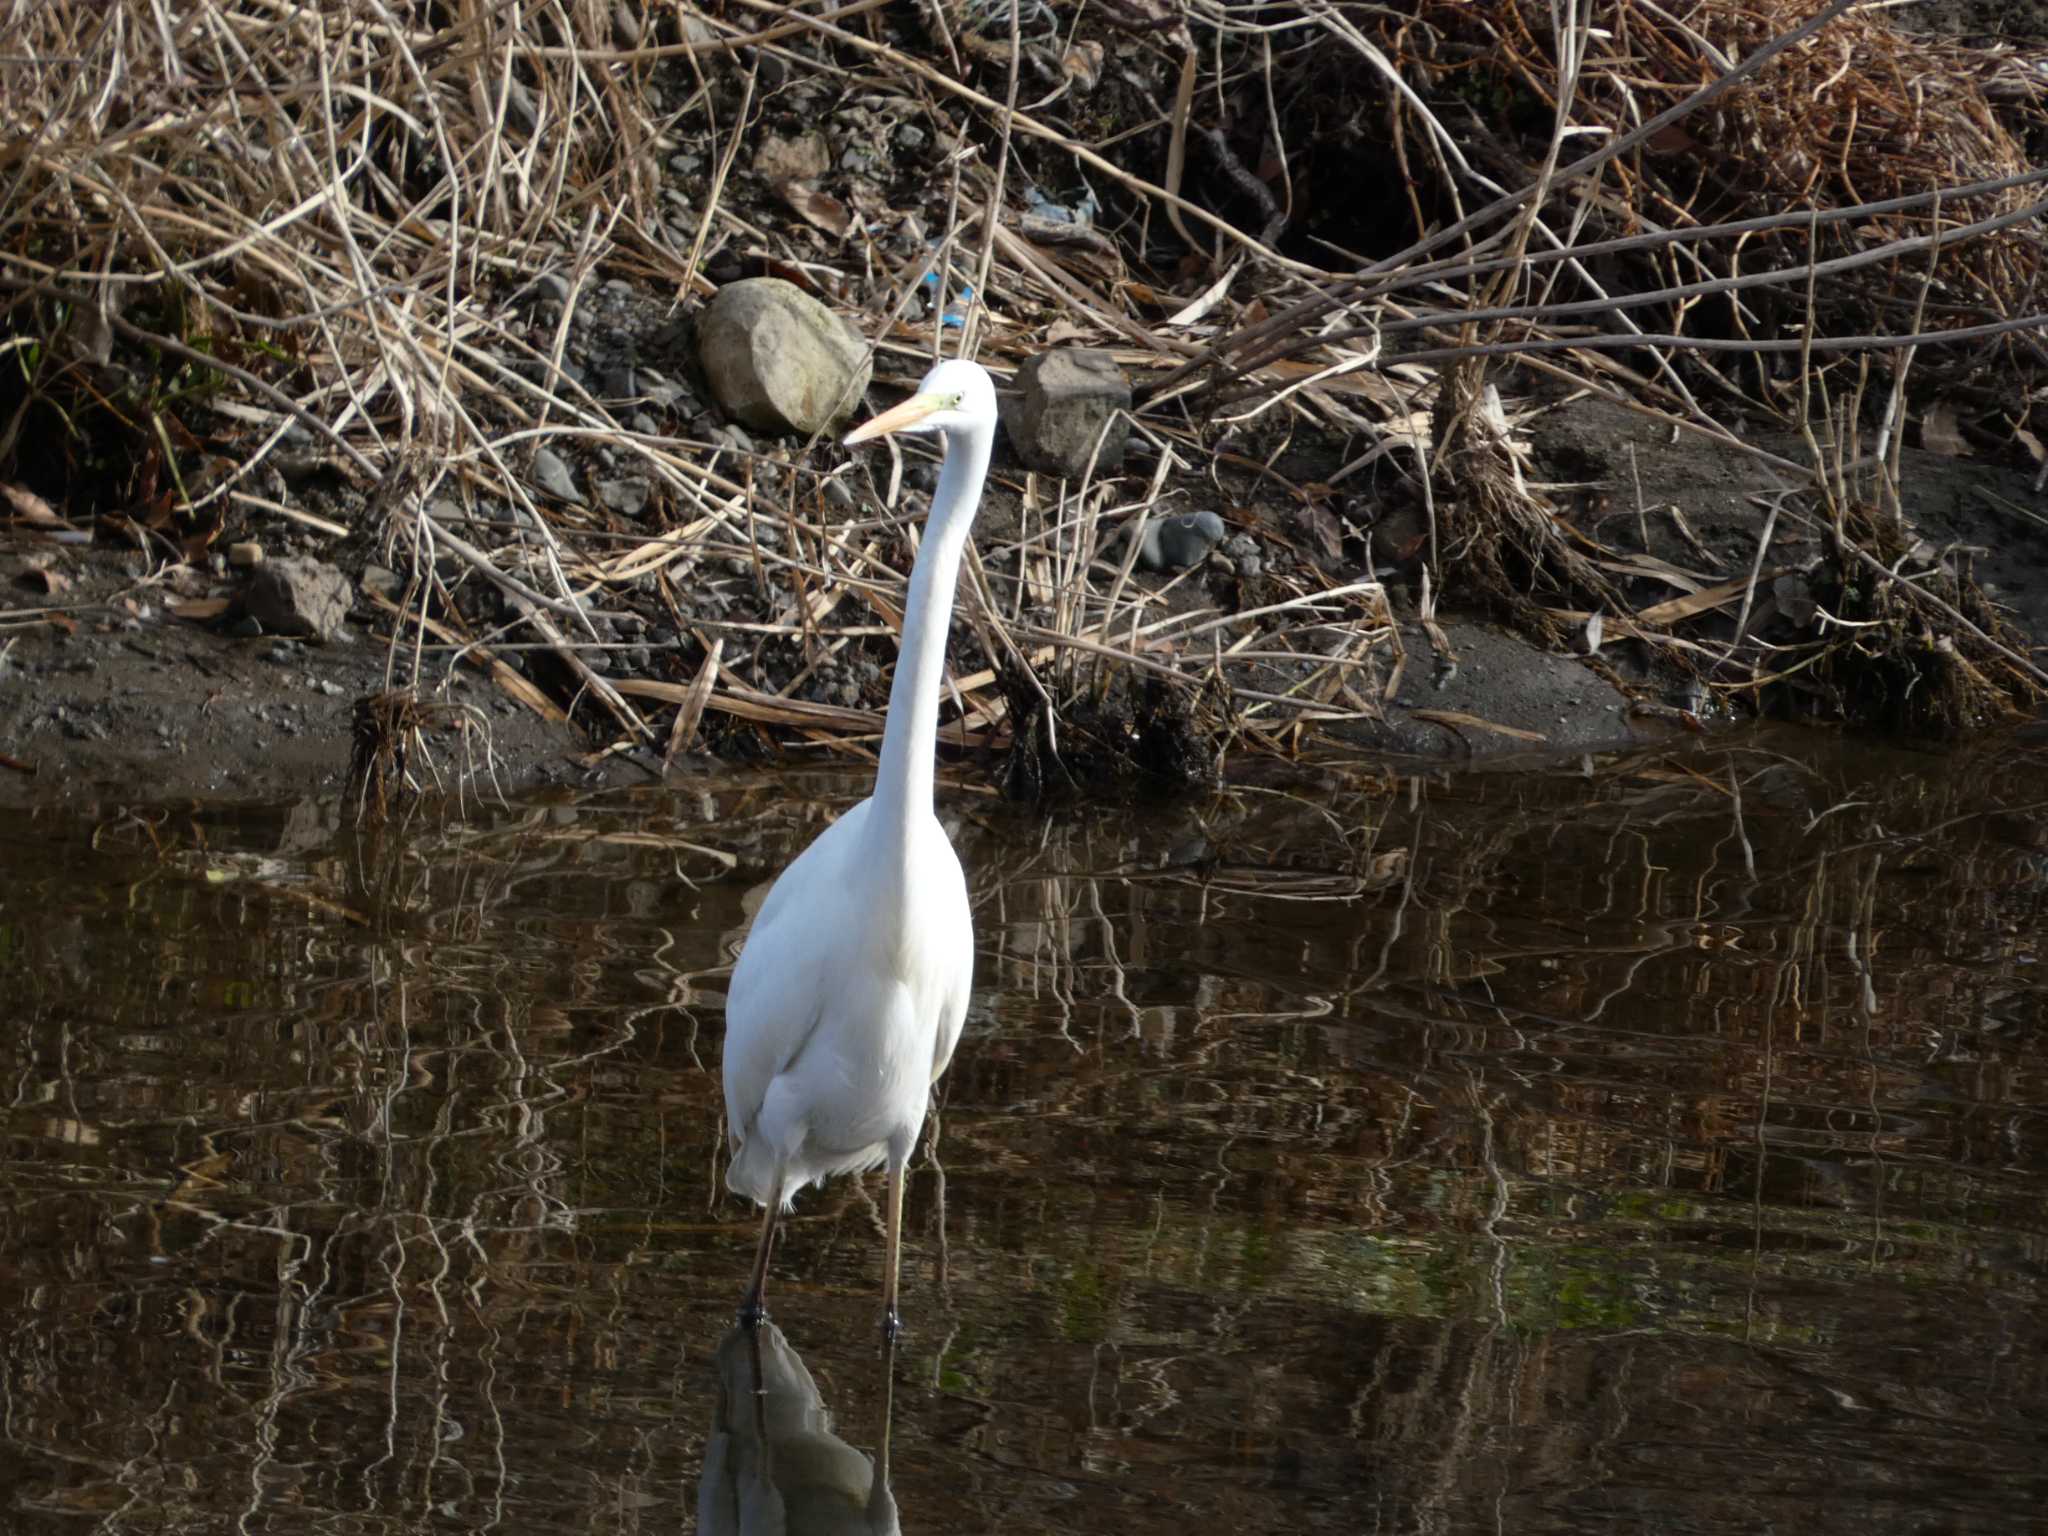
{"points": [[237, 229]]}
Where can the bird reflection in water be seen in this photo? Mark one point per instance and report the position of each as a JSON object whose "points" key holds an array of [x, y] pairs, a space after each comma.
{"points": [[772, 1462]]}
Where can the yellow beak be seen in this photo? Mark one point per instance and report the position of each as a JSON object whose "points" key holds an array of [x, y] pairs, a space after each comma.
{"points": [[896, 418]]}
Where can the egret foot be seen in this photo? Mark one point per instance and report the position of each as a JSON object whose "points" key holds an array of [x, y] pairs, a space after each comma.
{"points": [[892, 1327], [753, 1311]]}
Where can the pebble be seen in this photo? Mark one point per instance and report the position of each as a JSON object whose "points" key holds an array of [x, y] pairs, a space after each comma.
{"points": [[552, 476], [245, 555], [628, 497]]}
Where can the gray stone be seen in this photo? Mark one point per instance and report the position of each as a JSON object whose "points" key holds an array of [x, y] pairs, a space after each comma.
{"points": [[1070, 396], [552, 476], [298, 596], [626, 497], [382, 581], [778, 360], [1175, 543], [657, 389], [839, 495]]}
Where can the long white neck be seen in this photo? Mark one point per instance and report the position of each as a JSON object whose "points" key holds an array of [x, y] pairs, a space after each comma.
{"points": [[903, 784]]}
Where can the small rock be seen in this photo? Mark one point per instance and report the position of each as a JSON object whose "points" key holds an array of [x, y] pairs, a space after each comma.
{"points": [[694, 29], [625, 25], [551, 287], [552, 476], [778, 360], [381, 581], [1795, 599], [737, 436], [246, 555], [628, 497], [1070, 395], [643, 424], [246, 627], [799, 157], [839, 495], [658, 391], [298, 597], [910, 137], [1175, 543]]}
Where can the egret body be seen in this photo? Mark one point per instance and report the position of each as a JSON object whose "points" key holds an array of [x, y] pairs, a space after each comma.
{"points": [[850, 991]]}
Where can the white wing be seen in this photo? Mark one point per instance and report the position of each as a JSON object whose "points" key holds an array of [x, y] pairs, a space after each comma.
{"points": [[780, 986], [953, 949]]}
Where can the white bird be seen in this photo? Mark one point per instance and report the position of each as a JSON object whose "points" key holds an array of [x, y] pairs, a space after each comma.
{"points": [[850, 991]]}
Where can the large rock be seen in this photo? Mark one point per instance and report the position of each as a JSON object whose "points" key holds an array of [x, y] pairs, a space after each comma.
{"points": [[1069, 397], [778, 360], [298, 597]]}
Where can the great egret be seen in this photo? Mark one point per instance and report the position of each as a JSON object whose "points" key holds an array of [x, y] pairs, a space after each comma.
{"points": [[850, 991]]}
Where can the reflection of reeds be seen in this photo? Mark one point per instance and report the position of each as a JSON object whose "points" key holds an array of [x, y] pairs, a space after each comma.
{"points": [[1590, 1076]]}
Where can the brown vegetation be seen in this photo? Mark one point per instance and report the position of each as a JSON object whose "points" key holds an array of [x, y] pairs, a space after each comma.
{"points": [[241, 239]]}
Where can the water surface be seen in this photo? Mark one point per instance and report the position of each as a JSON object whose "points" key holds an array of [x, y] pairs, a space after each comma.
{"points": [[1655, 1147]]}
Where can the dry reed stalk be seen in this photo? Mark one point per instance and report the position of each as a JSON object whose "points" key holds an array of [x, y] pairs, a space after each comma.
{"points": [[321, 219]]}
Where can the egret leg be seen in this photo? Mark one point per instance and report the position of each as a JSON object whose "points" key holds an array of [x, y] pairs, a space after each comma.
{"points": [[753, 1307], [892, 1324]]}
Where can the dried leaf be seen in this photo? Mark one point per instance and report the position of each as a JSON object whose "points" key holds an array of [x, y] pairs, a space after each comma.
{"points": [[44, 580], [818, 208], [1322, 526], [692, 708], [31, 508], [1699, 602], [1458, 717], [1082, 64], [1941, 432]]}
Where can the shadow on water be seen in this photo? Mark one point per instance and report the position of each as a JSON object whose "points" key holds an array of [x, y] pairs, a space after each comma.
{"points": [[1662, 1148]]}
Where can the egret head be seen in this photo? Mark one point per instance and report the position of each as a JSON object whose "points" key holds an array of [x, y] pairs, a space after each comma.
{"points": [[956, 396]]}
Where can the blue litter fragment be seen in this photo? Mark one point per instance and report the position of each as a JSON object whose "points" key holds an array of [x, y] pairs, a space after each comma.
{"points": [[956, 312]]}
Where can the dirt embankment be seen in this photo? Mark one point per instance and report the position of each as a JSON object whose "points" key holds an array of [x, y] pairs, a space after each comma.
{"points": [[467, 420]]}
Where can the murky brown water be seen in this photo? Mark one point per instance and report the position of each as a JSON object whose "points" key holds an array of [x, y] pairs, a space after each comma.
{"points": [[1656, 1150]]}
